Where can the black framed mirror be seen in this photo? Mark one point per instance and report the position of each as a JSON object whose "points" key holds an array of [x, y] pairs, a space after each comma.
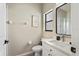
{"points": [[63, 19]]}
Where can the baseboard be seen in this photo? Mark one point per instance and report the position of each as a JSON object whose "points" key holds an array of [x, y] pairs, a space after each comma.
{"points": [[30, 53]]}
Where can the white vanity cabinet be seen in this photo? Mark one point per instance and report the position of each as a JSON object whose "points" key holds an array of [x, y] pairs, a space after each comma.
{"points": [[48, 50]]}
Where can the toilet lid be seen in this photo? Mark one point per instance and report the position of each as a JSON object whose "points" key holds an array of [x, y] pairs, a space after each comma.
{"points": [[37, 48]]}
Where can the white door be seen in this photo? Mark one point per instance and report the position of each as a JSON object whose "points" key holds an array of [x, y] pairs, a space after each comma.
{"points": [[2, 29]]}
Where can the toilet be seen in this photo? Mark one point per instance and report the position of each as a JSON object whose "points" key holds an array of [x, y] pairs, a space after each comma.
{"points": [[37, 50]]}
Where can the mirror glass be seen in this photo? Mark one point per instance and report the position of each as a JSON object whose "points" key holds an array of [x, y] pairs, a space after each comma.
{"points": [[63, 19]]}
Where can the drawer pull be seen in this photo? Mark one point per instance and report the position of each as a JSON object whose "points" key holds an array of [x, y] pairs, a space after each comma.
{"points": [[49, 54]]}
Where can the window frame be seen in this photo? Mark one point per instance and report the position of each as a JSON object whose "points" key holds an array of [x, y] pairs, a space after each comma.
{"points": [[48, 21]]}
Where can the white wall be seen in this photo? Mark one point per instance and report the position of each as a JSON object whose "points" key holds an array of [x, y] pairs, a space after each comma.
{"points": [[75, 25], [59, 4], [18, 33]]}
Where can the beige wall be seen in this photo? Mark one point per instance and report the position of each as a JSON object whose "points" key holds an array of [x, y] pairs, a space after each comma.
{"points": [[19, 34], [46, 7]]}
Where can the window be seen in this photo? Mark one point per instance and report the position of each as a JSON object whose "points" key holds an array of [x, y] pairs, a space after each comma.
{"points": [[48, 21]]}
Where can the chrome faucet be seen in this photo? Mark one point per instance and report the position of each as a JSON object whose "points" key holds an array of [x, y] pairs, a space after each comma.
{"points": [[63, 36]]}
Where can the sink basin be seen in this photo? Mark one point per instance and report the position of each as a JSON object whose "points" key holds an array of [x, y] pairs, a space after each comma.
{"points": [[59, 43]]}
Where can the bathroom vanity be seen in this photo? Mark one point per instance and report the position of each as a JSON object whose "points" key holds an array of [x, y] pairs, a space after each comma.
{"points": [[55, 48]]}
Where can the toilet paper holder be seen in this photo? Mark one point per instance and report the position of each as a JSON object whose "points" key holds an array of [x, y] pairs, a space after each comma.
{"points": [[30, 42]]}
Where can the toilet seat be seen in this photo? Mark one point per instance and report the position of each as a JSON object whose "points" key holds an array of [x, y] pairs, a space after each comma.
{"points": [[37, 48]]}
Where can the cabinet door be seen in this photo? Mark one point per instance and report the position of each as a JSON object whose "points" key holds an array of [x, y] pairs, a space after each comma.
{"points": [[51, 51], [55, 52], [58, 53], [45, 49]]}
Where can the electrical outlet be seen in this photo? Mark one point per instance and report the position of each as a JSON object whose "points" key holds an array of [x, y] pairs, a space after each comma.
{"points": [[73, 49]]}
